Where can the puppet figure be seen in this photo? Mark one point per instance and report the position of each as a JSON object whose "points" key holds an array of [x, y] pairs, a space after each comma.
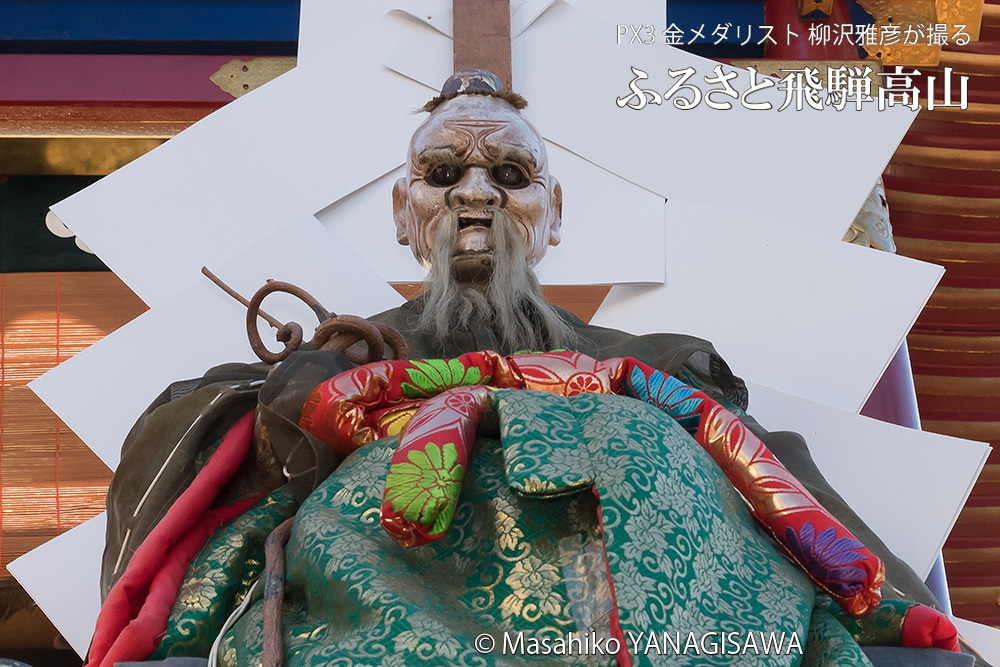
{"points": [[605, 501]]}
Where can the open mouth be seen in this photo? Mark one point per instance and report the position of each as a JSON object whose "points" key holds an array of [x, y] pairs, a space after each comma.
{"points": [[471, 221]]}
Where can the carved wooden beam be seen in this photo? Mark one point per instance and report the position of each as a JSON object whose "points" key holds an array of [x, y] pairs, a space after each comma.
{"points": [[481, 31], [85, 114]]}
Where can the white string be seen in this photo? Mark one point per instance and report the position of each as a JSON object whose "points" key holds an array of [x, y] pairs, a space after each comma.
{"points": [[173, 451], [213, 657]]}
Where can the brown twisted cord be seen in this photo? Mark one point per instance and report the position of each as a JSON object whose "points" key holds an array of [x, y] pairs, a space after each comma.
{"points": [[341, 332], [290, 334], [394, 340], [335, 333], [273, 652], [239, 297]]}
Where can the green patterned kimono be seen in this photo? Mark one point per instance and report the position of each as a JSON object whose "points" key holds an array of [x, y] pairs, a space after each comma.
{"points": [[524, 555]]}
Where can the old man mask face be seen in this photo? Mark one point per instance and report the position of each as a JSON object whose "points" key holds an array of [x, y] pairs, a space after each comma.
{"points": [[476, 156]]}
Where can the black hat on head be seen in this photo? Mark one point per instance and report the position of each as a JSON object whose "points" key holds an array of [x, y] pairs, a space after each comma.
{"points": [[475, 82], [471, 82]]}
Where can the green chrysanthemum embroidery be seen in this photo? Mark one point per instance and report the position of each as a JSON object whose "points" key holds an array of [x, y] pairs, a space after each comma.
{"points": [[432, 376], [425, 488]]}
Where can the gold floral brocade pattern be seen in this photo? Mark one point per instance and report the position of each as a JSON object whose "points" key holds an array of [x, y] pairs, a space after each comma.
{"points": [[683, 550], [902, 13], [727, 444], [220, 577], [962, 12], [964, 15]]}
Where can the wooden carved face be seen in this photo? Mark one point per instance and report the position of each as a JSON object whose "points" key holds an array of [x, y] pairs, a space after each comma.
{"points": [[473, 156]]}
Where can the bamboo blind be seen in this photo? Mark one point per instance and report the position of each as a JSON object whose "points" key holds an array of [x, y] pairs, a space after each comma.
{"points": [[943, 188], [49, 480]]}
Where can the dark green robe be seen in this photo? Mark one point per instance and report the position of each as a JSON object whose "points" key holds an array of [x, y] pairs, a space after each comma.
{"points": [[285, 450]]}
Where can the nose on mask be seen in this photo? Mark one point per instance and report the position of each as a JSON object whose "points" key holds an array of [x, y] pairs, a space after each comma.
{"points": [[476, 189]]}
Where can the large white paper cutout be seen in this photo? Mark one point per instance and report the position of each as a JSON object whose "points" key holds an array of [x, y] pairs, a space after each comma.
{"points": [[828, 187], [332, 32], [333, 35], [983, 638], [798, 168], [595, 248], [287, 149], [438, 15], [63, 576], [625, 13], [101, 391], [809, 318], [433, 13], [282, 151], [861, 458]]}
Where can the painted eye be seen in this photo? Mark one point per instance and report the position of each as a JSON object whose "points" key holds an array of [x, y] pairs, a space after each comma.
{"points": [[509, 176], [444, 175]]}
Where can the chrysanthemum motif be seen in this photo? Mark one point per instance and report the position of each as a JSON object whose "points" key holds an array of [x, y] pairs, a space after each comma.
{"points": [[425, 488], [427, 638], [709, 574], [430, 377], [198, 594], [647, 529], [505, 519], [828, 558], [735, 550], [584, 383], [778, 604], [667, 393], [670, 491], [611, 470], [632, 589], [532, 581], [363, 479]]}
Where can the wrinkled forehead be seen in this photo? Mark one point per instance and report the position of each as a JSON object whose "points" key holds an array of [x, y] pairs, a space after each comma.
{"points": [[477, 124]]}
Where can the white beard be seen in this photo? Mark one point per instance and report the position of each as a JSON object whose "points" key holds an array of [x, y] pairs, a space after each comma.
{"points": [[510, 302]]}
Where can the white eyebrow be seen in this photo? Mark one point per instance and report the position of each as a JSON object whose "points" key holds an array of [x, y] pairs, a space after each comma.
{"points": [[437, 154], [514, 153]]}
